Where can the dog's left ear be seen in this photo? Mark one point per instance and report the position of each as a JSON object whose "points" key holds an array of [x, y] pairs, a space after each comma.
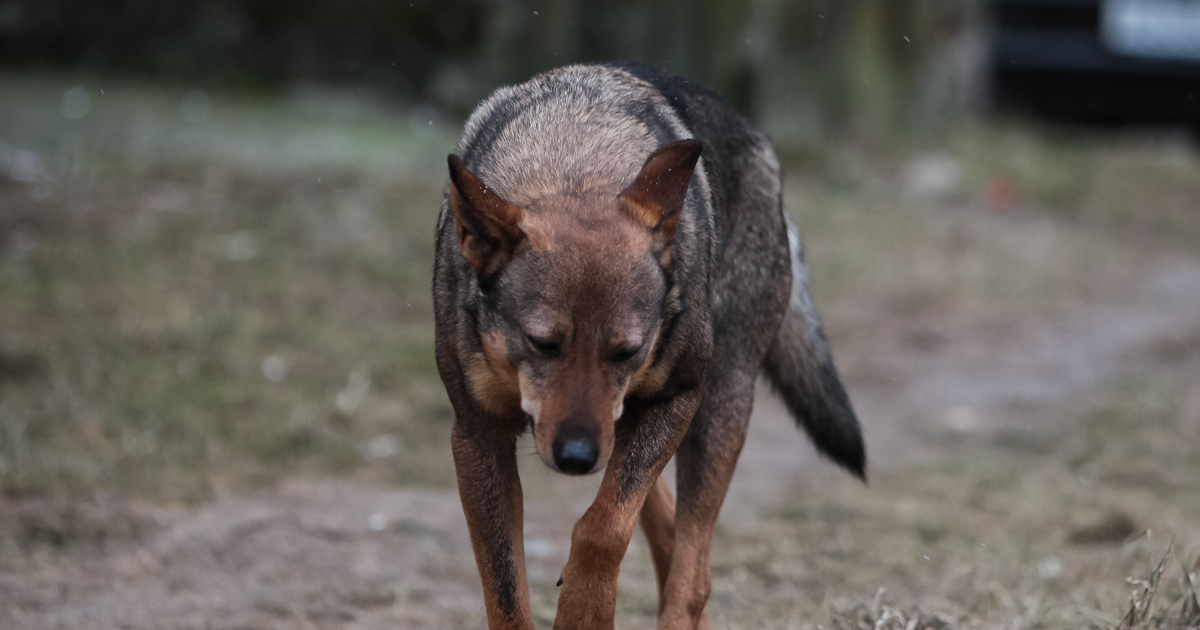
{"points": [[655, 198], [488, 229]]}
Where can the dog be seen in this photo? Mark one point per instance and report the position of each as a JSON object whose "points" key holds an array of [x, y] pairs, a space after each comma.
{"points": [[613, 268]]}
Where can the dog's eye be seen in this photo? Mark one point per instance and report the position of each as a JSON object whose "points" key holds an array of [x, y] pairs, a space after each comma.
{"points": [[547, 348], [622, 356]]}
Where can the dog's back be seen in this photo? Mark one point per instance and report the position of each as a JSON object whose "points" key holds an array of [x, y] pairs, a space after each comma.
{"points": [[574, 129], [743, 171]]}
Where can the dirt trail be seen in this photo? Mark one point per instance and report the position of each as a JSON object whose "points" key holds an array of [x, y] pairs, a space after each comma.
{"points": [[338, 555], [307, 554], [977, 380]]}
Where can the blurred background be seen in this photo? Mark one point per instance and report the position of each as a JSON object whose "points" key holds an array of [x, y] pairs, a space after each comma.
{"points": [[804, 69], [218, 399]]}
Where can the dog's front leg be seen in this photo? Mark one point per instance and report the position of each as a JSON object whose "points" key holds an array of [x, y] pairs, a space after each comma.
{"points": [[658, 523], [645, 441], [490, 490]]}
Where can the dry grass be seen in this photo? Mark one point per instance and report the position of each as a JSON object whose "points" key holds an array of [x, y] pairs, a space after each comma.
{"points": [[1149, 592], [992, 534]]}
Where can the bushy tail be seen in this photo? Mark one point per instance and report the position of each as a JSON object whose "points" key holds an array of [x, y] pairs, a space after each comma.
{"points": [[801, 368]]}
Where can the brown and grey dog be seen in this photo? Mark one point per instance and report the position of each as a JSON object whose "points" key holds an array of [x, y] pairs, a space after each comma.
{"points": [[614, 266]]}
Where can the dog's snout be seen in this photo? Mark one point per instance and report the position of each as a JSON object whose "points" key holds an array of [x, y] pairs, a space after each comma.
{"points": [[575, 453]]}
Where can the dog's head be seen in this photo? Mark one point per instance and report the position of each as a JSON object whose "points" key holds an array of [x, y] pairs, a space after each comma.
{"points": [[572, 292]]}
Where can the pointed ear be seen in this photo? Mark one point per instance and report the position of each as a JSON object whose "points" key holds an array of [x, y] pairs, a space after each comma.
{"points": [[655, 198], [487, 224]]}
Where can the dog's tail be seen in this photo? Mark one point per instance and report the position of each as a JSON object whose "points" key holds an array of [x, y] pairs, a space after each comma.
{"points": [[801, 368]]}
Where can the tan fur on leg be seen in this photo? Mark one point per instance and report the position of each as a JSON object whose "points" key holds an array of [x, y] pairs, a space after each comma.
{"points": [[658, 523]]}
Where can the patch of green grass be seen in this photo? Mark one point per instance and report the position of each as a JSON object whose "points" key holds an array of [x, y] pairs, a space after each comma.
{"points": [[154, 301]]}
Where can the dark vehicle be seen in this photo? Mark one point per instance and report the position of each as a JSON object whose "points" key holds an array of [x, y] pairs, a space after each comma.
{"points": [[1098, 60]]}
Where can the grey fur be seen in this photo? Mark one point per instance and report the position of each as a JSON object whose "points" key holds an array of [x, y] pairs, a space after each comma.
{"points": [[542, 137]]}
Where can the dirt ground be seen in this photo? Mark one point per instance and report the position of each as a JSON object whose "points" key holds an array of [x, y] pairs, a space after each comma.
{"points": [[1029, 449], [331, 553]]}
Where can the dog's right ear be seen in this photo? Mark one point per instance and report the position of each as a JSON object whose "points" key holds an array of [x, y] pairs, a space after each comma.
{"points": [[488, 229], [655, 198]]}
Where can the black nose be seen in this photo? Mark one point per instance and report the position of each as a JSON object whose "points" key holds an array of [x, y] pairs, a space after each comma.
{"points": [[575, 455]]}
